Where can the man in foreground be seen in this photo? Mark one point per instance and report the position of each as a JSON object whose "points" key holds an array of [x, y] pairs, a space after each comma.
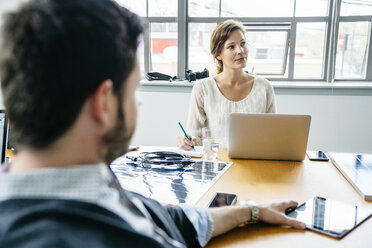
{"points": [[69, 74]]}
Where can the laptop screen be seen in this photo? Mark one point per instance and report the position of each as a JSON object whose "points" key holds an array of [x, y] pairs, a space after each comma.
{"points": [[3, 135]]}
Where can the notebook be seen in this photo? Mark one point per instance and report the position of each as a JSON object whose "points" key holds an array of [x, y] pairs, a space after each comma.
{"points": [[357, 169], [197, 153], [268, 136]]}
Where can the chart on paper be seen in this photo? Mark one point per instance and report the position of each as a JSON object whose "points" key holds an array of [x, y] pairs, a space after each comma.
{"points": [[169, 185]]}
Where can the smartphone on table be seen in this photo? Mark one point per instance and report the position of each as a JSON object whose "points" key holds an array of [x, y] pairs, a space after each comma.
{"points": [[223, 199], [317, 156]]}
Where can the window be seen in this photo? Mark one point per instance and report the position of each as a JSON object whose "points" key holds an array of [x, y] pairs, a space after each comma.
{"points": [[204, 8], [280, 34], [311, 8], [309, 53], [302, 40], [356, 7], [163, 56], [353, 40], [351, 58], [267, 48], [199, 53], [159, 49], [162, 8], [261, 53], [137, 6], [257, 8], [141, 56]]}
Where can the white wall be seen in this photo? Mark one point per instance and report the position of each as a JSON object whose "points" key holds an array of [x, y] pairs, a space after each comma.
{"points": [[339, 123]]}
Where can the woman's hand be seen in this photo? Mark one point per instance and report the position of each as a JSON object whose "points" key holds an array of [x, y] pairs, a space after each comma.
{"points": [[184, 143]]}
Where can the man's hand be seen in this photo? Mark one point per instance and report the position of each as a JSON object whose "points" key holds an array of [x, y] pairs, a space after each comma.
{"points": [[274, 213], [227, 218]]}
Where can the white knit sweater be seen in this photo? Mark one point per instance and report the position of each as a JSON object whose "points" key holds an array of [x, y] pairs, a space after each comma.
{"points": [[209, 108]]}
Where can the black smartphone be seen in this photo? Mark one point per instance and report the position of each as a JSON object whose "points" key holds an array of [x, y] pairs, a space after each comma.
{"points": [[223, 199], [317, 156]]}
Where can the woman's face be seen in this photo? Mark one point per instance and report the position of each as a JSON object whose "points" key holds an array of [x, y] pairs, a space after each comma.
{"points": [[234, 52]]}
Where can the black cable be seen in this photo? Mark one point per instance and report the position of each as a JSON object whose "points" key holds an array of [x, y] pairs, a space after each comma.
{"points": [[168, 160]]}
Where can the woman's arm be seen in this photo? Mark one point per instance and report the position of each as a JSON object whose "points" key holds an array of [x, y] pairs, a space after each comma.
{"points": [[197, 117], [270, 96]]}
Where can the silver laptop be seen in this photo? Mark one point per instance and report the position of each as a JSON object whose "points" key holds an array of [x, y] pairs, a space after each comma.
{"points": [[268, 136]]}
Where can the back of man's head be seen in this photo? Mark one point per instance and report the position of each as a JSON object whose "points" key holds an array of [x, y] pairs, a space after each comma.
{"points": [[54, 54]]}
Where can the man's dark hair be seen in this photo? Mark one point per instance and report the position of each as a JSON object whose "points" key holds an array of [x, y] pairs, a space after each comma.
{"points": [[55, 53]]}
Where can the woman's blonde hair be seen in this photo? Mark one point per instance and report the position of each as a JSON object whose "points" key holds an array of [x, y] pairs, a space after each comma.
{"points": [[219, 36]]}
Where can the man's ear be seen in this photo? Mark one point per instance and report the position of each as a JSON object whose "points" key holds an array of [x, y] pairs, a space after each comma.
{"points": [[219, 57], [103, 103]]}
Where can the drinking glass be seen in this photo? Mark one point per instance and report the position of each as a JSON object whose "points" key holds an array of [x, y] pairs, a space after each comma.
{"points": [[211, 145]]}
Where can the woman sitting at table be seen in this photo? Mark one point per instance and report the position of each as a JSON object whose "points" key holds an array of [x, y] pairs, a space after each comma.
{"points": [[230, 90]]}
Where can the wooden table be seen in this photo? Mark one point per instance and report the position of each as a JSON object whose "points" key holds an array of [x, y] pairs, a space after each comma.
{"points": [[264, 181]]}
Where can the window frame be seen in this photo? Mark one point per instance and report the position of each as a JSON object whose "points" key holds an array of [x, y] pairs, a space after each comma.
{"points": [[292, 36], [369, 43], [332, 21]]}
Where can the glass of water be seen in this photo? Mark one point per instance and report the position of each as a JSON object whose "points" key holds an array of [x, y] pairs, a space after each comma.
{"points": [[211, 145]]}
